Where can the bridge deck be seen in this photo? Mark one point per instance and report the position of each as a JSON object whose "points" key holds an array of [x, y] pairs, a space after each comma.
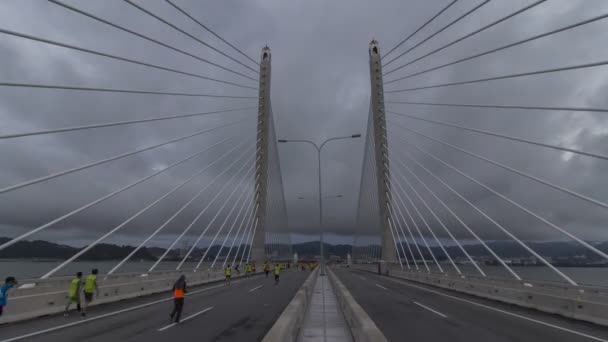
{"points": [[415, 312], [243, 311]]}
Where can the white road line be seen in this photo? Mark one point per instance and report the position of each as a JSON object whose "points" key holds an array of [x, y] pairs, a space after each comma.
{"points": [[501, 311], [362, 278], [431, 310], [185, 319], [110, 314], [382, 287], [256, 288]]}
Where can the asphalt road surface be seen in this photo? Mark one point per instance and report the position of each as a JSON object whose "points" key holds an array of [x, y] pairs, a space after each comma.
{"points": [[407, 311], [242, 311]]}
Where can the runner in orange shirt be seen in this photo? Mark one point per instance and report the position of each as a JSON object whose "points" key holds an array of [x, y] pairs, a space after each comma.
{"points": [[179, 292]]}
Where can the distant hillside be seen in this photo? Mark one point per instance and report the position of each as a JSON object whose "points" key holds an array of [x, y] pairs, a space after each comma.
{"points": [[47, 250]]}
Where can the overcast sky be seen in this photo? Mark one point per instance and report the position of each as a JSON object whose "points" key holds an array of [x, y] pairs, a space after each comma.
{"points": [[320, 89]]}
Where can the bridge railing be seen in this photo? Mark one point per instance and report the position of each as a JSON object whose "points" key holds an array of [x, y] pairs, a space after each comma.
{"points": [[579, 302]]}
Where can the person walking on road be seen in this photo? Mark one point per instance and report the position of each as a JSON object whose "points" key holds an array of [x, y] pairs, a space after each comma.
{"points": [[266, 269], [228, 273], [74, 294], [277, 273], [179, 293], [90, 289], [9, 283]]}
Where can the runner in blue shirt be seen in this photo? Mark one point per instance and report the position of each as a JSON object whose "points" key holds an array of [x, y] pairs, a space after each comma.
{"points": [[8, 284]]}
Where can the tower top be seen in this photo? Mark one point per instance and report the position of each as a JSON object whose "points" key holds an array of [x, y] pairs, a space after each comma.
{"points": [[266, 54], [374, 49]]}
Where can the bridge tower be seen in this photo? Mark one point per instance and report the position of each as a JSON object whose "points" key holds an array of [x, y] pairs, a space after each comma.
{"points": [[258, 251], [380, 143]]}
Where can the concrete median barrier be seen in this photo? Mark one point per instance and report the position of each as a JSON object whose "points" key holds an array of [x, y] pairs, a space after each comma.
{"points": [[362, 327], [287, 327]]}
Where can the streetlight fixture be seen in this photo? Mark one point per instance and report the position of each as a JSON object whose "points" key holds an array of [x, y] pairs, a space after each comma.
{"points": [[324, 197], [319, 148]]}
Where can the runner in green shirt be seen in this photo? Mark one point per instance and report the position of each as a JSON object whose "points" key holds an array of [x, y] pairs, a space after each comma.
{"points": [[74, 293], [90, 288]]}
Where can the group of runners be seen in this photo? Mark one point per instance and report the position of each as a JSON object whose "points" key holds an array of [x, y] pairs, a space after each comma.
{"points": [[86, 288], [250, 269]]}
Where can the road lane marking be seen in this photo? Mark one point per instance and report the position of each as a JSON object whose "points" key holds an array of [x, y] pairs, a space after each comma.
{"points": [[431, 310], [362, 278], [256, 288], [501, 311], [382, 287], [185, 319], [109, 314]]}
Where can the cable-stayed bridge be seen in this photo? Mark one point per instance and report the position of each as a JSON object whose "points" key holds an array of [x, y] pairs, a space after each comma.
{"points": [[178, 158]]}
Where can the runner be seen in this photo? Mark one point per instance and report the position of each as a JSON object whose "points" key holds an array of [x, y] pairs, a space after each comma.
{"points": [[9, 283], [90, 289], [228, 273], [74, 294], [247, 270], [266, 268], [179, 293], [277, 273]]}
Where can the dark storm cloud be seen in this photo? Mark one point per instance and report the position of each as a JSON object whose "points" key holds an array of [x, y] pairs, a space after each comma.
{"points": [[320, 89]]}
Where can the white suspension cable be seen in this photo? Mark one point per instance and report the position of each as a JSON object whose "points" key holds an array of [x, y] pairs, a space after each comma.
{"points": [[515, 238], [116, 157], [445, 228], [392, 227], [179, 211], [255, 227], [248, 229], [227, 218], [417, 229], [507, 137], [238, 232], [466, 226], [517, 205], [428, 226], [217, 214], [407, 226], [398, 223], [115, 123], [122, 225], [204, 210], [103, 198], [508, 168]]}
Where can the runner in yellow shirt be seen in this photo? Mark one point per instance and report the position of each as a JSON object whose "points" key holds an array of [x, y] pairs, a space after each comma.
{"points": [[74, 294]]}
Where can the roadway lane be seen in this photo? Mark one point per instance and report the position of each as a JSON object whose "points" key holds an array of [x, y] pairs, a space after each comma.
{"points": [[409, 311], [243, 311]]}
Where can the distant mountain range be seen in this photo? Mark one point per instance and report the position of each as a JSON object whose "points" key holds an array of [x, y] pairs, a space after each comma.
{"points": [[48, 250]]}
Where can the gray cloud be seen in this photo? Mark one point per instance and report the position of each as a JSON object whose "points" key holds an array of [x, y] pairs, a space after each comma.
{"points": [[320, 85]]}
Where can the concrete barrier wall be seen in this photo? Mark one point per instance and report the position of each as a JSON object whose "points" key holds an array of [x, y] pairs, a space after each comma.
{"points": [[287, 327], [49, 296], [362, 328], [583, 303]]}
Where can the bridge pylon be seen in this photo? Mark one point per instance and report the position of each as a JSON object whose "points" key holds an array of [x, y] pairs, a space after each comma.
{"points": [[258, 251], [380, 143]]}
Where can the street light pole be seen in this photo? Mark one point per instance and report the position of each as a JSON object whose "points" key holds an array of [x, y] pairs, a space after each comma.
{"points": [[319, 148]]}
